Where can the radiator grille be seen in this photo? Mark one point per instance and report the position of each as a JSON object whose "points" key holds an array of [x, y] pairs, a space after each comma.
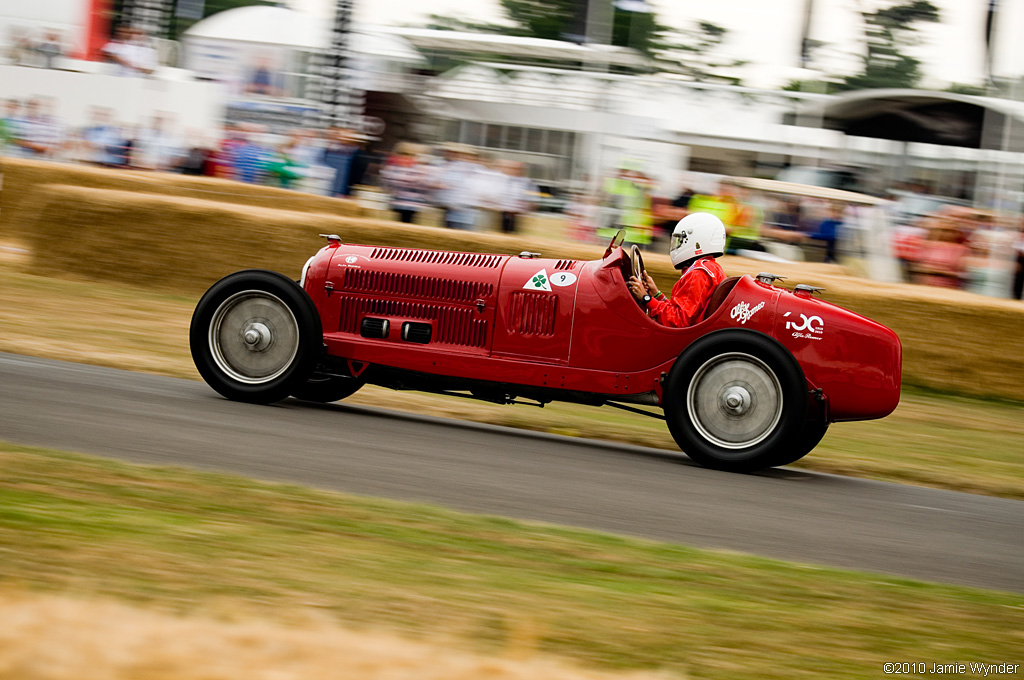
{"points": [[437, 257], [532, 313], [427, 287], [452, 325]]}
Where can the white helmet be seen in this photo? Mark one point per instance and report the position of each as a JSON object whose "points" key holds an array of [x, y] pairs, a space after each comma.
{"points": [[696, 235]]}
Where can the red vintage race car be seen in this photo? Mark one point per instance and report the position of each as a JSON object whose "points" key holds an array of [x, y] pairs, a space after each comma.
{"points": [[753, 385]]}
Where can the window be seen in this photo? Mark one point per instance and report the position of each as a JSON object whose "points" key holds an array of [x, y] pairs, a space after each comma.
{"points": [[556, 143], [472, 133], [514, 138], [496, 136], [535, 140]]}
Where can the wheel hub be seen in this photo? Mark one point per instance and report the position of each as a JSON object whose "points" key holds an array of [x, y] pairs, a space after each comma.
{"points": [[257, 336], [736, 400]]}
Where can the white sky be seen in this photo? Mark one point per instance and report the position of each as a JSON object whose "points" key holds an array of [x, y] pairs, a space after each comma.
{"points": [[766, 32]]}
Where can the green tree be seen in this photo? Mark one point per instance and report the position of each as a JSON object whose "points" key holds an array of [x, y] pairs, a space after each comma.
{"points": [[963, 88], [561, 20], [693, 53], [888, 32], [688, 51]]}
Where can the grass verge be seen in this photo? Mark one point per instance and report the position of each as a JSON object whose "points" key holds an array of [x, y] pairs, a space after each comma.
{"points": [[191, 542], [931, 440]]}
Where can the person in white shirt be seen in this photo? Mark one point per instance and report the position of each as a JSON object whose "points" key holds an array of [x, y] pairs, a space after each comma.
{"points": [[519, 195], [131, 52], [50, 50], [157, 147], [457, 188], [489, 185]]}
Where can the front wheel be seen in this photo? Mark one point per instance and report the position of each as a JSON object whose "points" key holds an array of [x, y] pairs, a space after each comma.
{"points": [[255, 336], [325, 389], [736, 401]]}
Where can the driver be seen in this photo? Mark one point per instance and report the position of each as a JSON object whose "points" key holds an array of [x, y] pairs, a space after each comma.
{"points": [[696, 241]]}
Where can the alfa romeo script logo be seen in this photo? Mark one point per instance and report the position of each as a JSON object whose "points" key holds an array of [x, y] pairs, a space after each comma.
{"points": [[743, 311]]}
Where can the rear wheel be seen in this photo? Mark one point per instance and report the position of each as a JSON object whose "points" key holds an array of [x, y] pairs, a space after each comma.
{"points": [[255, 336], [736, 401], [809, 437]]}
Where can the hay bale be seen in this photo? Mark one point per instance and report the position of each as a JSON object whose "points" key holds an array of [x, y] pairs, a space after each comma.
{"points": [[24, 182], [182, 245]]}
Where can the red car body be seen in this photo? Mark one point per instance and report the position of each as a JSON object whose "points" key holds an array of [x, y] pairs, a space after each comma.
{"points": [[588, 336], [505, 327]]}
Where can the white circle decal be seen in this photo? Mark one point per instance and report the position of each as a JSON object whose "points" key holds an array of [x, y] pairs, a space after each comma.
{"points": [[563, 279], [351, 258]]}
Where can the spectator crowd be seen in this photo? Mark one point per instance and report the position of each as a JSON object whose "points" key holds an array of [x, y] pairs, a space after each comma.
{"points": [[964, 248], [25, 49], [129, 53], [953, 247], [470, 190]]}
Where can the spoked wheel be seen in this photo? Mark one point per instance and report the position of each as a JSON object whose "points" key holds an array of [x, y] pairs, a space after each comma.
{"points": [[255, 336], [736, 401], [325, 389]]}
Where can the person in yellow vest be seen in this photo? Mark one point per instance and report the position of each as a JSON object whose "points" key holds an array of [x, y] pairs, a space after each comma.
{"points": [[628, 195], [710, 204], [742, 218]]}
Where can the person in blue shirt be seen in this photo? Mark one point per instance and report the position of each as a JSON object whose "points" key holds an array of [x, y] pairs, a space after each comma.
{"points": [[342, 155], [104, 141], [828, 231], [250, 158]]}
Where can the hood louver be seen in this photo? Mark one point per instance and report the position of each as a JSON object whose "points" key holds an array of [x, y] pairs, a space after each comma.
{"points": [[436, 257]]}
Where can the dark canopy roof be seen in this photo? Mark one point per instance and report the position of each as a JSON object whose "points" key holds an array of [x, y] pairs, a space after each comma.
{"points": [[920, 116]]}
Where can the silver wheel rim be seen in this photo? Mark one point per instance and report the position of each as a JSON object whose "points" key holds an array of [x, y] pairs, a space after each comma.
{"points": [[254, 337], [734, 400]]}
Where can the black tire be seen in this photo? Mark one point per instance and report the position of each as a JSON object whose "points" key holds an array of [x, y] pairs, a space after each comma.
{"points": [[810, 436], [736, 400], [325, 389], [256, 336]]}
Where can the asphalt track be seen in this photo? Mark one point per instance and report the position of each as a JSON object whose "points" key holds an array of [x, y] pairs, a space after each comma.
{"points": [[789, 514]]}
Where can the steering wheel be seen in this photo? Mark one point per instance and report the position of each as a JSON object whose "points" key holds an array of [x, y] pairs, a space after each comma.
{"points": [[637, 265]]}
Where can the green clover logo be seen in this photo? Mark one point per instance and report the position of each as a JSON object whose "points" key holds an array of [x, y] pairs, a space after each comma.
{"points": [[539, 280]]}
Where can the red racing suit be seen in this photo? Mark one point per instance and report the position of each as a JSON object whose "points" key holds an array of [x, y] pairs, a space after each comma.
{"points": [[690, 295]]}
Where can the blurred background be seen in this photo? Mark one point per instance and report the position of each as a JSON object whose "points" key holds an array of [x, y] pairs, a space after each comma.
{"points": [[896, 128]]}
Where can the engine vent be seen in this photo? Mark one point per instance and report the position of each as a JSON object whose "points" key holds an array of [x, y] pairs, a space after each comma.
{"points": [[452, 325], [437, 257], [374, 328], [565, 265], [532, 313], [427, 287], [416, 332]]}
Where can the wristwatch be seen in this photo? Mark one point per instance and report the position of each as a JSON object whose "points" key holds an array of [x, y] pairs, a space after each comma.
{"points": [[646, 299]]}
